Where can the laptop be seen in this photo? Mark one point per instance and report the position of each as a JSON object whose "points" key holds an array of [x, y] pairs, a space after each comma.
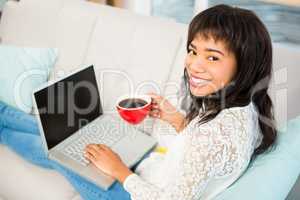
{"points": [[70, 116]]}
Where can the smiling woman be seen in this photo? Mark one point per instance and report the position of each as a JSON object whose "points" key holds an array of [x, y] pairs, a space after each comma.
{"points": [[240, 76], [209, 65], [226, 60]]}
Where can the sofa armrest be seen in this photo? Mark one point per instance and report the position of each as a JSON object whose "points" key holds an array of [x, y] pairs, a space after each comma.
{"points": [[23, 180]]}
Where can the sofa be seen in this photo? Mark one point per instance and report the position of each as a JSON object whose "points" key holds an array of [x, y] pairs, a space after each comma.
{"points": [[131, 53]]}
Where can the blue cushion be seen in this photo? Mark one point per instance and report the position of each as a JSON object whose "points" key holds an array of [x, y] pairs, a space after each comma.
{"points": [[22, 70], [2, 2], [181, 11], [273, 174]]}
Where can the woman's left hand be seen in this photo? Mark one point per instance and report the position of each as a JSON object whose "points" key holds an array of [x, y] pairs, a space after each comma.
{"points": [[107, 161]]}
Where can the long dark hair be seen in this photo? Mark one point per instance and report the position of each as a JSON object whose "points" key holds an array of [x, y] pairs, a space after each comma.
{"points": [[247, 37]]}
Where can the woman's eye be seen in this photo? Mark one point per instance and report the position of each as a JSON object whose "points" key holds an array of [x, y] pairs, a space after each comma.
{"points": [[193, 52], [213, 58]]}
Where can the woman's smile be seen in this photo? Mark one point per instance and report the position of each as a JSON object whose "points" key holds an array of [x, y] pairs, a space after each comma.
{"points": [[198, 82]]}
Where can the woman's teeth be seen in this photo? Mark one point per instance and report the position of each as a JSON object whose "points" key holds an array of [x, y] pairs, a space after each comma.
{"points": [[198, 81]]}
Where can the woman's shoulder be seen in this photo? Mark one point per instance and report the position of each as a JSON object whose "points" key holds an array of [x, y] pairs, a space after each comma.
{"points": [[241, 114], [230, 132], [233, 124], [239, 109], [230, 122]]}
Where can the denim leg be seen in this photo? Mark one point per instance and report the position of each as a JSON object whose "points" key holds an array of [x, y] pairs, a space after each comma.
{"points": [[19, 131], [117, 192], [30, 147], [13, 118], [27, 145], [87, 190], [1, 127]]}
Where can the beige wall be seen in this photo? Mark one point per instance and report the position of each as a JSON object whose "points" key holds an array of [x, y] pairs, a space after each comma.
{"points": [[98, 1]]}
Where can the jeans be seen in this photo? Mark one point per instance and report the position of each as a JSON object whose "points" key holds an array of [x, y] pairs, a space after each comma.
{"points": [[19, 131]]}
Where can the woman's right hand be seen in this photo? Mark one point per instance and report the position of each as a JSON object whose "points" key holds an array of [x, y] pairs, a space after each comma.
{"points": [[164, 110]]}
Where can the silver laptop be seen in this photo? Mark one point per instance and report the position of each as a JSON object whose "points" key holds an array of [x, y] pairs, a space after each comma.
{"points": [[70, 116]]}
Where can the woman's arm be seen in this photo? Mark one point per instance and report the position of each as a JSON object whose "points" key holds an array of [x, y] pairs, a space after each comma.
{"points": [[210, 149], [178, 121], [162, 109]]}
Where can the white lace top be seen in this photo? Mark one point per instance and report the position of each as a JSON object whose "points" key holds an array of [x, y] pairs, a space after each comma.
{"points": [[202, 161]]}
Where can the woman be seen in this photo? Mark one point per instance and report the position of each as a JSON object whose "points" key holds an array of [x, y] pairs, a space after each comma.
{"points": [[229, 120]]}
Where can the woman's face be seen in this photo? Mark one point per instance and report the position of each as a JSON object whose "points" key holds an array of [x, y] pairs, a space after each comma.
{"points": [[210, 66]]}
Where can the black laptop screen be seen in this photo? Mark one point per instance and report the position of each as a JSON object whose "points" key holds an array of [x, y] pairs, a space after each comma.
{"points": [[67, 105]]}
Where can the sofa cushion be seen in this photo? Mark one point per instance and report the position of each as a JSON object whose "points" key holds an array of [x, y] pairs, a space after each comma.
{"points": [[72, 34], [131, 54], [276, 171], [29, 181], [28, 23], [63, 24], [23, 70]]}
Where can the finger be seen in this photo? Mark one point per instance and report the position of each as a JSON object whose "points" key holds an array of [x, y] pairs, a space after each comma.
{"points": [[89, 156], [155, 97], [94, 150], [103, 146], [154, 115], [96, 147], [154, 112], [155, 106], [90, 146], [92, 158], [163, 102], [154, 101]]}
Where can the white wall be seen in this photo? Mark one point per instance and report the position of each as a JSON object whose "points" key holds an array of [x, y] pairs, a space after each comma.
{"points": [[138, 6]]}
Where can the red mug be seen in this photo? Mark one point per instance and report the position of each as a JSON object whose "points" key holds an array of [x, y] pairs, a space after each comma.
{"points": [[134, 109]]}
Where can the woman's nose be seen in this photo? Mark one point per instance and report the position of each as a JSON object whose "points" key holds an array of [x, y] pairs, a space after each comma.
{"points": [[197, 65]]}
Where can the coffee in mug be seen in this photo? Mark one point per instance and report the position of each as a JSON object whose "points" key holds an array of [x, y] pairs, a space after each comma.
{"points": [[132, 103], [134, 109]]}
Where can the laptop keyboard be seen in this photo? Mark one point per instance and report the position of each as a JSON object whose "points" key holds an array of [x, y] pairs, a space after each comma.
{"points": [[76, 149]]}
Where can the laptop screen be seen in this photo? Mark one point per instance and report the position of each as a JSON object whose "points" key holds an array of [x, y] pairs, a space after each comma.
{"points": [[67, 105]]}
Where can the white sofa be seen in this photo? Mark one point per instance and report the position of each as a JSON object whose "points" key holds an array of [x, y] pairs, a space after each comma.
{"points": [[131, 53]]}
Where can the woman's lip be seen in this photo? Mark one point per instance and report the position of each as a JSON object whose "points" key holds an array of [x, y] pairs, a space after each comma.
{"points": [[199, 77], [195, 85], [197, 82]]}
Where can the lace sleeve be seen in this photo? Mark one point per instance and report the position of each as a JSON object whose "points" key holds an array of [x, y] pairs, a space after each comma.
{"points": [[210, 151]]}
